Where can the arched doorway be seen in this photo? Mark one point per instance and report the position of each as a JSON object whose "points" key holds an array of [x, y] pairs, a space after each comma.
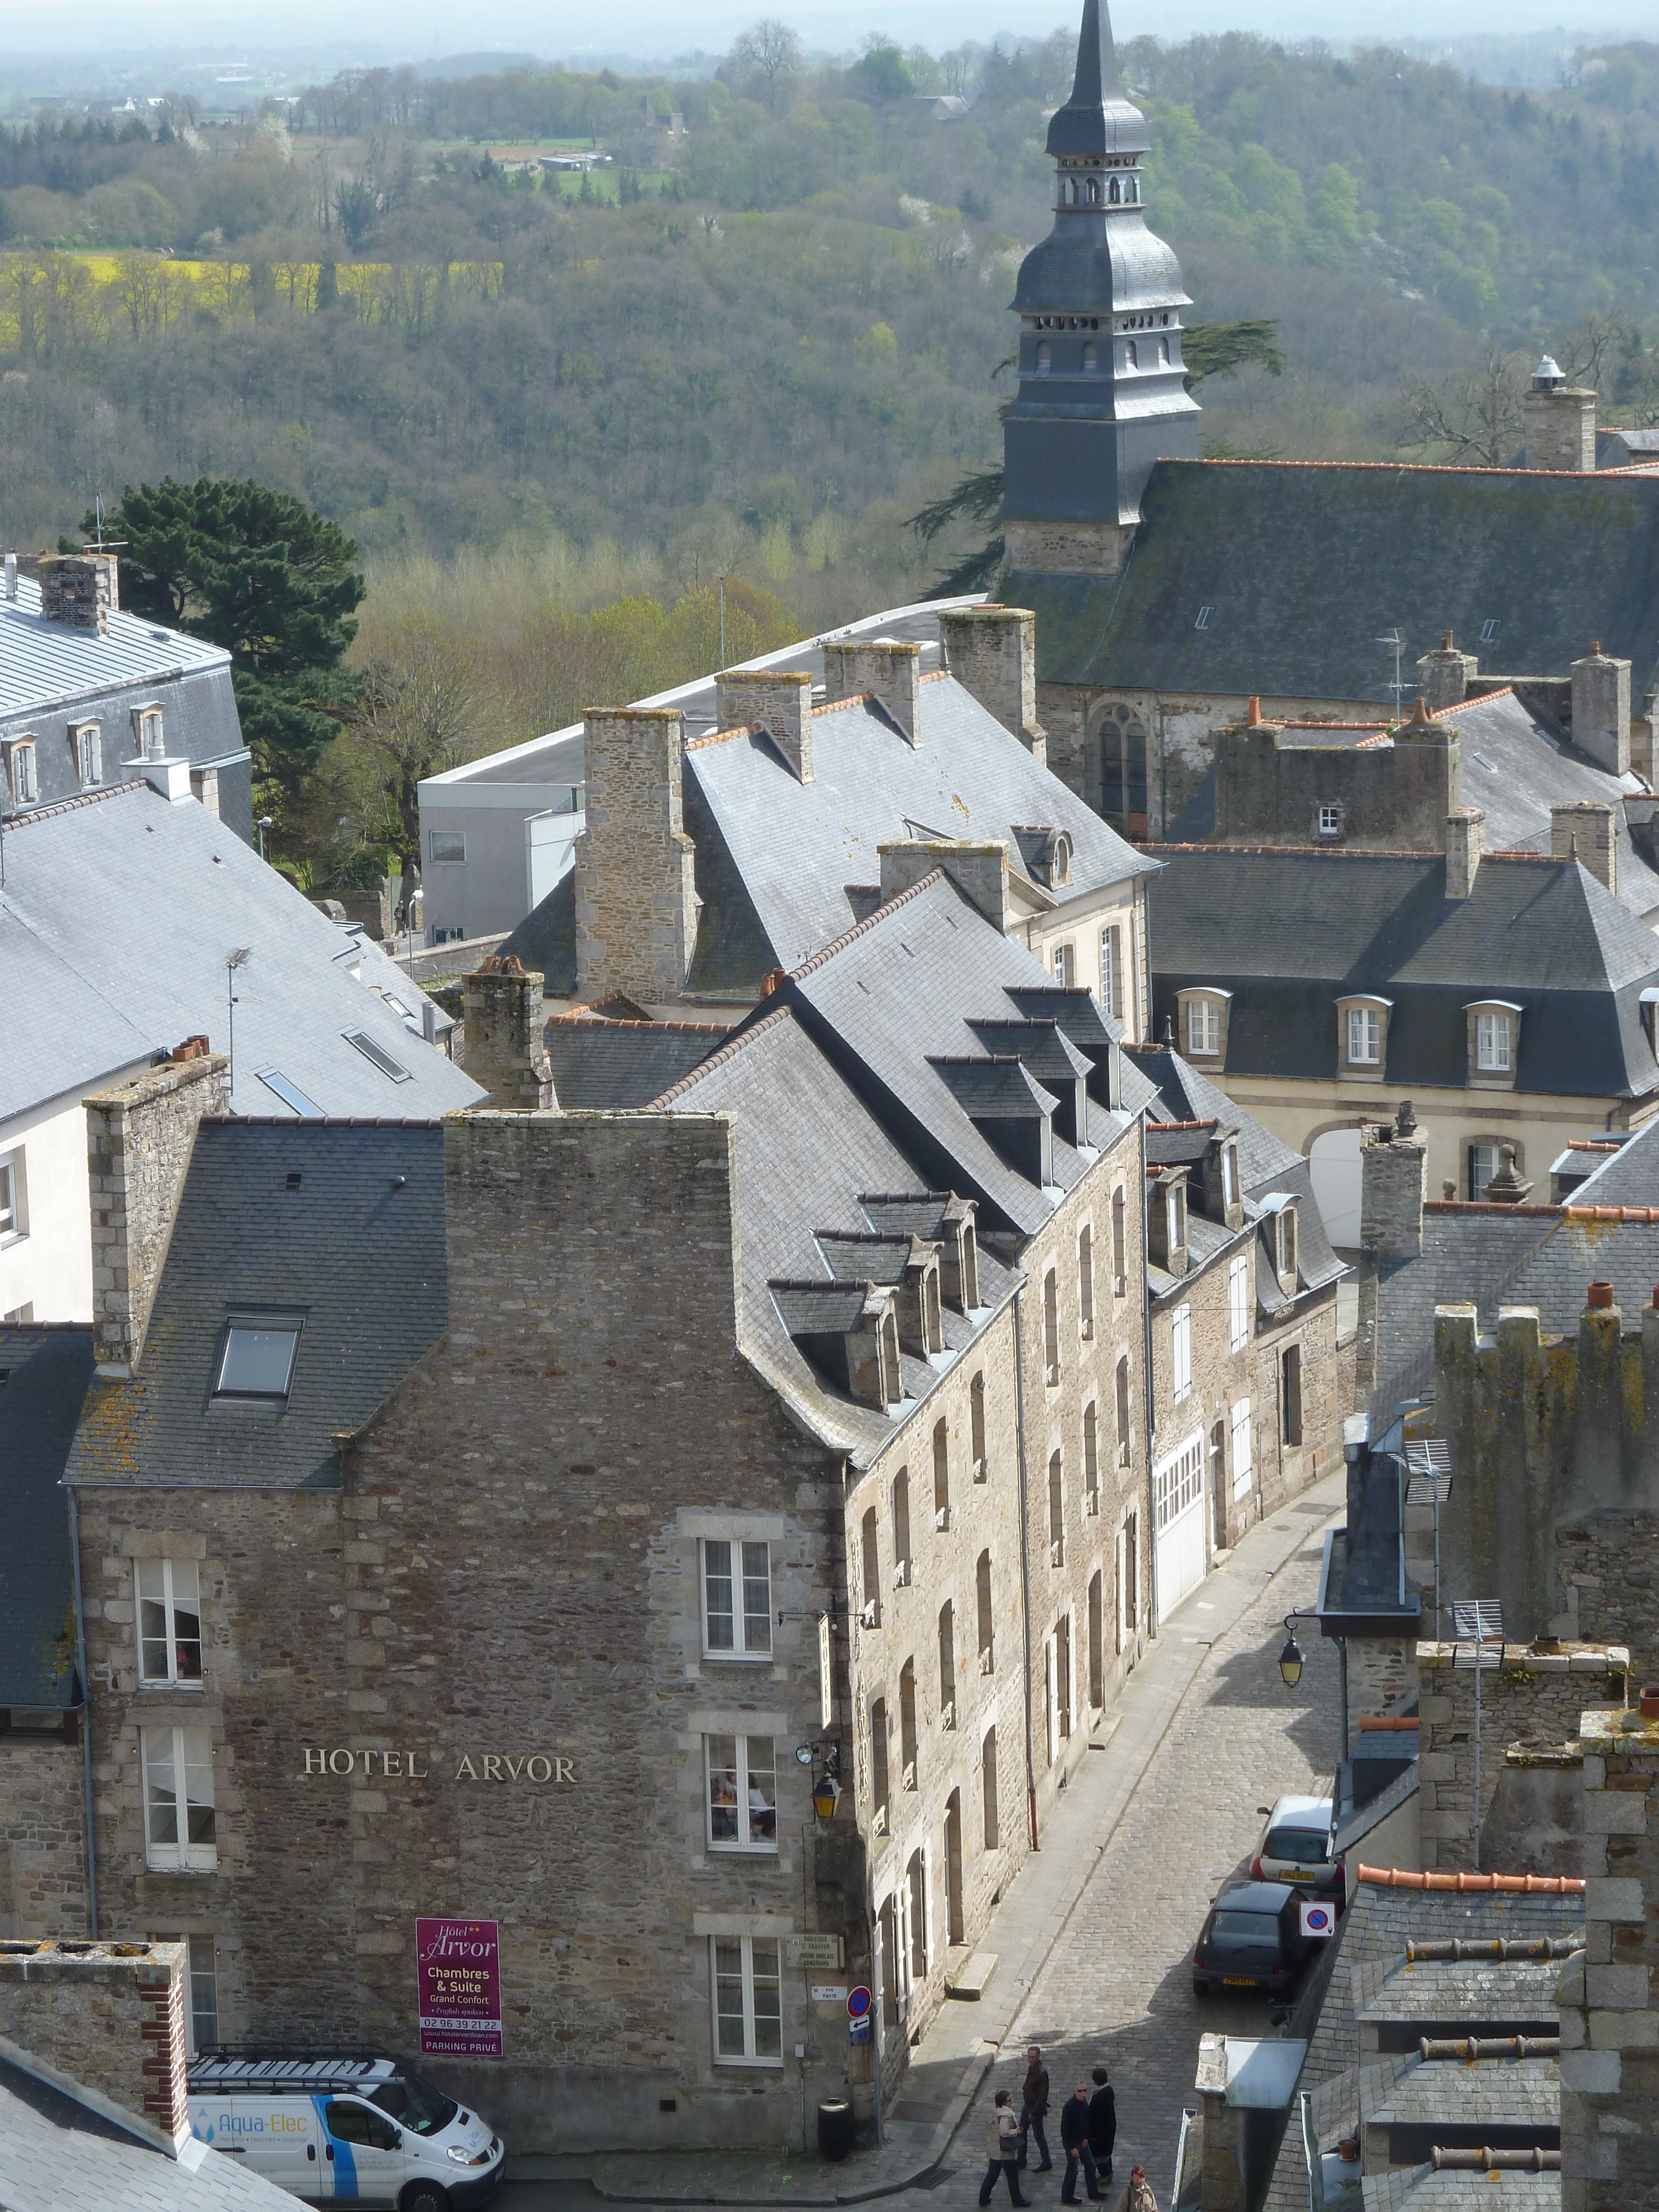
{"points": [[1123, 769]]}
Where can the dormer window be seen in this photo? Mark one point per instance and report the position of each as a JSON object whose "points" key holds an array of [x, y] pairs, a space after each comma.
{"points": [[1493, 1041], [1060, 864], [86, 739], [21, 776], [146, 732], [1175, 1216], [1285, 1259], [1328, 820], [1362, 1037], [1202, 1026], [1230, 1176]]}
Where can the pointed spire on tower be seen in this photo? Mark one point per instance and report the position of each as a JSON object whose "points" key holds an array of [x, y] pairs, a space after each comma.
{"points": [[1096, 119]]}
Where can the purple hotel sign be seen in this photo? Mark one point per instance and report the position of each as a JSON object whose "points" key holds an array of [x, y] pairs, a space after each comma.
{"points": [[459, 1965]]}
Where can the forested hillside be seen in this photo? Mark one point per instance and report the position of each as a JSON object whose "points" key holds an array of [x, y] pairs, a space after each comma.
{"points": [[762, 344]]}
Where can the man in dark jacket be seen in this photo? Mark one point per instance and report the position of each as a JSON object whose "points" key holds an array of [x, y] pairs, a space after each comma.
{"points": [[1103, 2122], [1033, 2104], [1074, 2141]]}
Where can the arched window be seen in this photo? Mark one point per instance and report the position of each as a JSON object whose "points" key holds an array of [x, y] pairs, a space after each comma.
{"points": [[976, 1425], [878, 1783], [988, 1782], [1119, 1246], [1114, 192], [1094, 192], [1131, 358], [1132, 191], [986, 1622], [908, 1739], [1164, 353], [941, 1475], [1123, 1411], [902, 1527], [1069, 192], [1045, 356], [947, 1665], [1088, 354], [1056, 1510], [872, 1576], [1123, 762]]}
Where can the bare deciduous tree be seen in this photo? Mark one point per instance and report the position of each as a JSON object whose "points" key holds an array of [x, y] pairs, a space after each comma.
{"points": [[770, 50], [1471, 414]]}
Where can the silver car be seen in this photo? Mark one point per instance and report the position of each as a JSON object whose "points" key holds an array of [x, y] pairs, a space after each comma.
{"points": [[1297, 1847]]}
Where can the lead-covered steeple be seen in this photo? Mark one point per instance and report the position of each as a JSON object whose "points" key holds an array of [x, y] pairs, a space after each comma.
{"points": [[1101, 392]]}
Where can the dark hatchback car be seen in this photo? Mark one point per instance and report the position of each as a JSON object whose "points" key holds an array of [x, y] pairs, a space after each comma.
{"points": [[1252, 1940]]}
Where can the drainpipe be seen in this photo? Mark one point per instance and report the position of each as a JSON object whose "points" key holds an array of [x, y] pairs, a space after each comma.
{"points": [[1025, 1559], [1163, 771], [1151, 1404], [86, 1715]]}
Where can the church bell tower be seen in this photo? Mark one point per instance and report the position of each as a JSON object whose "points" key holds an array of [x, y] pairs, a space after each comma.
{"points": [[1100, 393]]}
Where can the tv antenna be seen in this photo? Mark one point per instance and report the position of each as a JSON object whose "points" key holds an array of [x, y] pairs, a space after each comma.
{"points": [[234, 961], [1481, 1620], [1397, 645]]}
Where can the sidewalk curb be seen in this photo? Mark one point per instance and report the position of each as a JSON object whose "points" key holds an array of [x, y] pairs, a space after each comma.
{"points": [[1020, 1983]]}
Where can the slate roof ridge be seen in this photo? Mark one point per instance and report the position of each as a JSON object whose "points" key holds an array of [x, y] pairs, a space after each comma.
{"points": [[1401, 468], [68, 805], [1346, 852], [1489, 1206], [1482, 699], [1648, 1214], [42, 1327], [826, 952], [850, 699], [934, 675], [329, 1120], [1152, 1124], [717, 1060], [583, 1017], [720, 737]]}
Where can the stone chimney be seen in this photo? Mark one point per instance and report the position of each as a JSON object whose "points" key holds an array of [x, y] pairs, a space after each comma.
{"points": [[79, 590], [1600, 709], [1584, 830], [105, 2024], [205, 785], [1392, 1184], [1559, 420], [11, 574], [978, 870], [891, 670], [636, 899], [780, 700], [506, 1041], [1443, 676], [1463, 850], [140, 1135], [992, 652]]}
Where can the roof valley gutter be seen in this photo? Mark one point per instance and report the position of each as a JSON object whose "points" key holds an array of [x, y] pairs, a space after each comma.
{"points": [[1024, 1556], [86, 1712]]}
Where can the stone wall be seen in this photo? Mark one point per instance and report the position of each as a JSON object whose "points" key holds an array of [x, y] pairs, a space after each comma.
{"points": [[43, 1860], [139, 1140], [1390, 795], [1532, 1699], [1607, 1564], [636, 901], [1382, 1677], [992, 652], [109, 2015], [1609, 2020]]}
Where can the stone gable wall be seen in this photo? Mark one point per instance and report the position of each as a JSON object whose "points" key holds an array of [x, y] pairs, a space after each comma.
{"points": [[43, 1860]]}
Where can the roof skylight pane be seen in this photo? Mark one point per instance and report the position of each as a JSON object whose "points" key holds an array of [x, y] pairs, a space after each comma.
{"points": [[377, 1055], [258, 1360], [290, 1094]]}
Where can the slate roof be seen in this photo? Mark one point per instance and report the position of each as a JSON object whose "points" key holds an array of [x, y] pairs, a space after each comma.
{"points": [[807, 1152], [116, 916], [1515, 766], [44, 1373], [1372, 1936], [357, 1251], [57, 2155], [1405, 2090], [1629, 1176], [957, 969], [601, 1065], [1306, 564], [1287, 931]]}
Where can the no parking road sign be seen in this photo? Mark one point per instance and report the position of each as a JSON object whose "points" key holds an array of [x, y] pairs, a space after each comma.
{"points": [[1317, 1919], [858, 2014]]}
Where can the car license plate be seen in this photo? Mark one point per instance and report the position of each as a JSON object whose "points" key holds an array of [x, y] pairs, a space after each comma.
{"points": [[1238, 1982]]}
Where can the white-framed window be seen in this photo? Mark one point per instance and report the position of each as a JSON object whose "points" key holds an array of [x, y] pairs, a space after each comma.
{"points": [[1493, 1052], [1178, 1483], [1284, 1228], [1243, 1462], [737, 1599], [1238, 1302], [87, 739], [446, 844], [147, 730], [1483, 1161], [1330, 819], [1111, 963], [169, 1621], [1181, 1352], [1364, 1036], [19, 771], [14, 1220], [1203, 1026], [1230, 1175], [201, 1990], [747, 1985], [180, 1836], [1062, 961], [742, 1793], [257, 1357]]}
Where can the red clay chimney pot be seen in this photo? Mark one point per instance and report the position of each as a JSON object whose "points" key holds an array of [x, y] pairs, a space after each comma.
{"points": [[1600, 1297]]}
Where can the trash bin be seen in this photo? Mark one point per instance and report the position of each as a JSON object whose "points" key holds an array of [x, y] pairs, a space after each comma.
{"points": [[835, 2128]]}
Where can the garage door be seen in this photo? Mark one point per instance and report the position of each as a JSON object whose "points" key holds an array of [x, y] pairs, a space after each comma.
{"points": [[1178, 1503]]}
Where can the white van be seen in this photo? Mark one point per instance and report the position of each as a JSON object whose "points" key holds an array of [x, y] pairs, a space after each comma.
{"points": [[360, 2128]]}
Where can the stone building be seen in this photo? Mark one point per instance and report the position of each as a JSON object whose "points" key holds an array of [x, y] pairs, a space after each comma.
{"points": [[1168, 589]]}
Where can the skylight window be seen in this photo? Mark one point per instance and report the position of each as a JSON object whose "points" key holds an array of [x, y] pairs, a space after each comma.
{"points": [[258, 1359], [290, 1094], [1489, 631], [1203, 622], [1491, 767], [377, 1055]]}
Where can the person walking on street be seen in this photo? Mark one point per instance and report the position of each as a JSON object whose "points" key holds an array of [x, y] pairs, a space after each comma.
{"points": [[1074, 2141], [1138, 2196], [1004, 2146], [1103, 2122], [1034, 2103]]}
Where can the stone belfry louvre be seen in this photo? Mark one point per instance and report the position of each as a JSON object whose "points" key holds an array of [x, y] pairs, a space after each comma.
{"points": [[1101, 391]]}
